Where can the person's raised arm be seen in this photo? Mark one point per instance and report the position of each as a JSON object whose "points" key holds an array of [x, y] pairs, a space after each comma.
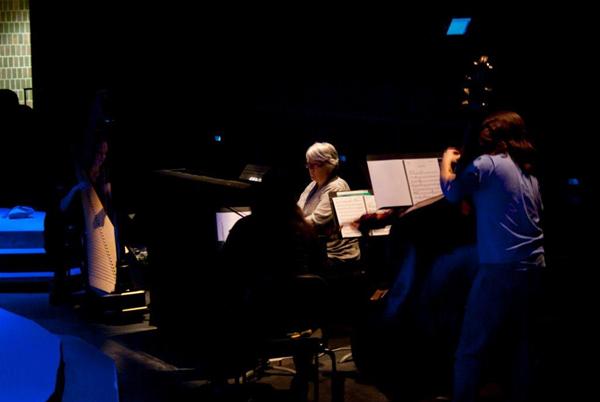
{"points": [[449, 160], [447, 176], [66, 201]]}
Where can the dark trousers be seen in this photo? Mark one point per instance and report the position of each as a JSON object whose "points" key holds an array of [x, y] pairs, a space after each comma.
{"points": [[500, 310]]}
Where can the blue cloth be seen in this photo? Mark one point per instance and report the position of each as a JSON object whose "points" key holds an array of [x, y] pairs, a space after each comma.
{"points": [[20, 212]]}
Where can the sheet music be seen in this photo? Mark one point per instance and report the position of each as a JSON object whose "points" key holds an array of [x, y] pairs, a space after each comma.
{"points": [[348, 209], [390, 184], [404, 182], [101, 244], [371, 207], [227, 219], [424, 178]]}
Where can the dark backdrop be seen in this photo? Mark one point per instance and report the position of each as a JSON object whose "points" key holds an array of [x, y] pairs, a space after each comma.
{"points": [[272, 81]]}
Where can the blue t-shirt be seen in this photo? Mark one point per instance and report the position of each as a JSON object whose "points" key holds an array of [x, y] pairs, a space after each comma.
{"points": [[508, 206]]}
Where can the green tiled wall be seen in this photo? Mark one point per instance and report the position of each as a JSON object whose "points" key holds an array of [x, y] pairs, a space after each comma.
{"points": [[15, 48]]}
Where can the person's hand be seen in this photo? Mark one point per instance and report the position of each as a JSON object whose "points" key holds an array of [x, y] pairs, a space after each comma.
{"points": [[449, 159], [451, 156], [375, 220]]}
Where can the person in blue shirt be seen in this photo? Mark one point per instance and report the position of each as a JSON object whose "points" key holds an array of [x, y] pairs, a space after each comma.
{"points": [[508, 206]]}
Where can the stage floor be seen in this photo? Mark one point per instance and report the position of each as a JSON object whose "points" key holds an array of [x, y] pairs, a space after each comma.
{"points": [[145, 375]]}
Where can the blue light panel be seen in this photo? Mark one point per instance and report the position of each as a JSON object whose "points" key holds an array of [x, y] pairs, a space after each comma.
{"points": [[458, 26]]}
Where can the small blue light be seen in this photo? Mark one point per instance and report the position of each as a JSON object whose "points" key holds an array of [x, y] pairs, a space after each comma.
{"points": [[218, 138], [573, 181], [343, 158], [458, 26]]}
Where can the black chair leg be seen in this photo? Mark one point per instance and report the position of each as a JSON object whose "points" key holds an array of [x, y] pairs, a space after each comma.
{"points": [[337, 381], [316, 378]]}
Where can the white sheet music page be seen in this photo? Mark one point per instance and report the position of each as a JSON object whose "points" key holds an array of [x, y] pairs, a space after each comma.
{"points": [[389, 183], [101, 244], [423, 177], [371, 206], [348, 209]]}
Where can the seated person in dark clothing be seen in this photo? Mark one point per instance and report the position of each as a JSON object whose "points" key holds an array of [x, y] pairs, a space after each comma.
{"points": [[263, 253], [64, 221], [272, 245]]}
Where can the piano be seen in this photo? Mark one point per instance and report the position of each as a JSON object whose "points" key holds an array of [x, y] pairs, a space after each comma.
{"points": [[183, 251]]}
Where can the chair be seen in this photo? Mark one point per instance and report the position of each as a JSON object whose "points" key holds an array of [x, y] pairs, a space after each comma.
{"points": [[303, 305], [279, 319]]}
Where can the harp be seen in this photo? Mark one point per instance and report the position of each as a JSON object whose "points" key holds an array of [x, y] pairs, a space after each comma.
{"points": [[101, 245]]}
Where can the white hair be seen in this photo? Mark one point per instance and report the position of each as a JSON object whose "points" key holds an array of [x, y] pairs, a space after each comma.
{"points": [[322, 152]]}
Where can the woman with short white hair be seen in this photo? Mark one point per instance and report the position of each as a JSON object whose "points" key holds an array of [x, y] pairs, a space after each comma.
{"points": [[322, 162]]}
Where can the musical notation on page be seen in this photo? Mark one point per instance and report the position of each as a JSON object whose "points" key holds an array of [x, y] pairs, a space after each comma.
{"points": [[404, 181], [349, 206]]}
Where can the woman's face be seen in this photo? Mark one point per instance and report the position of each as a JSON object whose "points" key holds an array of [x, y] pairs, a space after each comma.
{"points": [[319, 171], [99, 159], [101, 153], [485, 137]]}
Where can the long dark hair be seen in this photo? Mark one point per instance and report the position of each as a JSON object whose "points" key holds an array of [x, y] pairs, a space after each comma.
{"points": [[505, 132]]}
